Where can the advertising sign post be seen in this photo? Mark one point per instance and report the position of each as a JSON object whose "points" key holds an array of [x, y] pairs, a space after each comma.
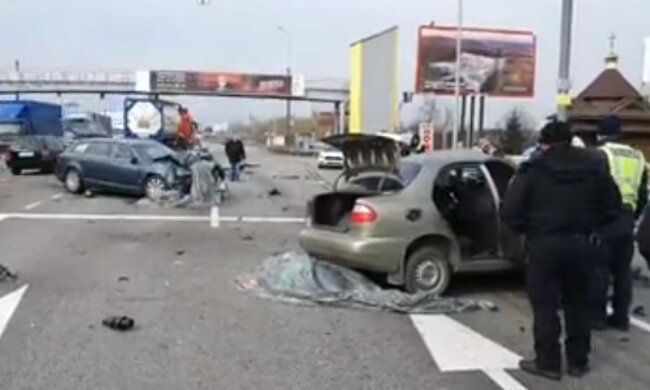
{"points": [[493, 62]]}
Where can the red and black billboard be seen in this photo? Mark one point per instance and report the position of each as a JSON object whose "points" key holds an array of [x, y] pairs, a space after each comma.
{"points": [[220, 83]]}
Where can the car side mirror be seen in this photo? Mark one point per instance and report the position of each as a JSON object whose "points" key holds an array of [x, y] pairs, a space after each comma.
{"points": [[134, 161]]}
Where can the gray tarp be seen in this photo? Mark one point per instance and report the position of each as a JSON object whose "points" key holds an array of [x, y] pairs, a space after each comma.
{"points": [[297, 278]]}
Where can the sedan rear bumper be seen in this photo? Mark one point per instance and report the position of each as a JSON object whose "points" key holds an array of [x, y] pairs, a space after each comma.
{"points": [[383, 255]]}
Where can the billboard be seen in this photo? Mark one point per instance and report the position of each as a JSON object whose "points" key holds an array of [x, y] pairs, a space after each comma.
{"points": [[494, 62], [220, 83], [374, 89]]}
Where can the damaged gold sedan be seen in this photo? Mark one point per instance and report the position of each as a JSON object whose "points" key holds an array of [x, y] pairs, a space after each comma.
{"points": [[417, 220]]}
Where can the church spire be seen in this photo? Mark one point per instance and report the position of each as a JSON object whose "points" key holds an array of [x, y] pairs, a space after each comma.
{"points": [[611, 61]]}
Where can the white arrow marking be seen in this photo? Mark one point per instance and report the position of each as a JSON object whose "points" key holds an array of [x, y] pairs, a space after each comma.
{"points": [[455, 347], [8, 305]]}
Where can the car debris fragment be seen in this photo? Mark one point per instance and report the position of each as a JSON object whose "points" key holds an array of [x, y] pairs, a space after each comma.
{"points": [[180, 252], [123, 279], [295, 277], [639, 311], [275, 192], [119, 323], [6, 275]]}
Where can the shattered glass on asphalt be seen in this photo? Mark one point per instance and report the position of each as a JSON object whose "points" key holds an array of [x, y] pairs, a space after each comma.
{"points": [[295, 277]]}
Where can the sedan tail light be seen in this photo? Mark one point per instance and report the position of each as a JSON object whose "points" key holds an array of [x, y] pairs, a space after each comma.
{"points": [[363, 214]]}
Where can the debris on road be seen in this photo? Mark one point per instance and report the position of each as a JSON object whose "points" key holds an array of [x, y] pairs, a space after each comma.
{"points": [[123, 279], [639, 311], [275, 192], [285, 208], [89, 194], [180, 252], [120, 323], [6, 275], [295, 277], [287, 177], [247, 237]]}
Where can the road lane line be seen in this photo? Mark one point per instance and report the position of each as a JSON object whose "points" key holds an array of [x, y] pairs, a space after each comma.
{"points": [[636, 322], [57, 196], [8, 305], [454, 347], [504, 380], [161, 218], [32, 205]]}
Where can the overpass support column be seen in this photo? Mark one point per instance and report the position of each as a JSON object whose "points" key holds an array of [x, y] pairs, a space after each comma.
{"points": [[338, 121]]}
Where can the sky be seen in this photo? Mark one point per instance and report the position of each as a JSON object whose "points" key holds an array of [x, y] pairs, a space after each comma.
{"points": [[243, 36]]}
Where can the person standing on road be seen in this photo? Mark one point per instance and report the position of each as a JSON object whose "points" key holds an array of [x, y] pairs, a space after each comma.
{"points": [[560, 200], [236, 154], [627, 167]]}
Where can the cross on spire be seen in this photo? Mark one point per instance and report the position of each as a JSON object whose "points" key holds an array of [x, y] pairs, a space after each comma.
{"points": [[612, 43]]}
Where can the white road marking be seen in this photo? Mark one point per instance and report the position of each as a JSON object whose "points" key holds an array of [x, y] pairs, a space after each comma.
{"points": [[57, 196], [644, 326], [214, 217], [32, 205], [455, 347], [145, 218], [8, 305]]}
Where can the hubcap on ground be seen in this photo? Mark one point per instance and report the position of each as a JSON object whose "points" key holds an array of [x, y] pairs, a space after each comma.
{"points": [[428, 275]]}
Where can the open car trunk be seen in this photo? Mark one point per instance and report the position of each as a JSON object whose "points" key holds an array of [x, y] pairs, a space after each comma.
{"points": [[332, 210]]}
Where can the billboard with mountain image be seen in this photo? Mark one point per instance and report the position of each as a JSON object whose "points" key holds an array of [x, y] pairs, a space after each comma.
{"points": [[493, 62]]}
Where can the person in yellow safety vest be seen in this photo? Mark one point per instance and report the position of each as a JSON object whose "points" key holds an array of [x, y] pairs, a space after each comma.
{"points": [[628, 169]]}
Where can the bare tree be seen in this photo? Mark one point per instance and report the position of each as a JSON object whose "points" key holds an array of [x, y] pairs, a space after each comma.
{"points": [[429, 111]]}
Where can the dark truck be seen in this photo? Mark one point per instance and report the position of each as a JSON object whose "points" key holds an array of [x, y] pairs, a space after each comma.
{"points": [[30, 134]]}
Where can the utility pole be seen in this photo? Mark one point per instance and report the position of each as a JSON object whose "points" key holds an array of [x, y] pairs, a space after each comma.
{"points": [[459, 42], [564, 77], [289, 75]]}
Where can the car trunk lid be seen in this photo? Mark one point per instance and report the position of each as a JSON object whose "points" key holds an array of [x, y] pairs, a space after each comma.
{"points": [[366, 152]]}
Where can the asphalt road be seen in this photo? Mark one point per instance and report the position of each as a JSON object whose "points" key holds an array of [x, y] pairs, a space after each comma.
{"points": [[195, 330]]}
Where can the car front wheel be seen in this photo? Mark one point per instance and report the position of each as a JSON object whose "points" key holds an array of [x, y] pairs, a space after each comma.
{"points": [[154, 185], [73, 182], [427, 271], [16, 171]]}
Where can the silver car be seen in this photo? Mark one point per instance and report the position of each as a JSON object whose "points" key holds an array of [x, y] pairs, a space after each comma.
{"points": [[418, 220]]}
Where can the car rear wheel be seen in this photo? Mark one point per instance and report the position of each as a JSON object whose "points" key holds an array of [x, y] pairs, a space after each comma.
{"points": [[154, 185], [73, 182], [428, 271]]}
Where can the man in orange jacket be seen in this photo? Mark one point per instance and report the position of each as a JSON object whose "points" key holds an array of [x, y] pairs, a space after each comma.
{"points": [[185, 132]]}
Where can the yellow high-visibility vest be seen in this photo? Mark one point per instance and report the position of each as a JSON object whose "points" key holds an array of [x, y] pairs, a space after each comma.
{"points": [[626, 166]]}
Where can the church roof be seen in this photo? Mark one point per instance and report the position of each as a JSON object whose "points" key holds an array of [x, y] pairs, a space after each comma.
{"points": [[610, 85]]}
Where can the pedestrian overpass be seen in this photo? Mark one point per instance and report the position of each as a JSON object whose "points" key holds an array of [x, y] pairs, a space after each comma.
{"points": [[16, 83]]}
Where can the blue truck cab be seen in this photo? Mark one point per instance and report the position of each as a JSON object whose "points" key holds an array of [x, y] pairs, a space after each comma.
{"points": [[28, 118]]}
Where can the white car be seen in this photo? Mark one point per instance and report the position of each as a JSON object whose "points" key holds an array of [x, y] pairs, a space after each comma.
{"points": [[331, 158]]}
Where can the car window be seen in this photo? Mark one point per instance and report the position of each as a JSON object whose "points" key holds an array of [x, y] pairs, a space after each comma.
{"points": [[153, 151], [99, 149], [122, 152], [408, 171], [79, 148]]}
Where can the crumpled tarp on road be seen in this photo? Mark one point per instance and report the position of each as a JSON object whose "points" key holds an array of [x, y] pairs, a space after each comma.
{"points": [[295, 277], [203, 191]]}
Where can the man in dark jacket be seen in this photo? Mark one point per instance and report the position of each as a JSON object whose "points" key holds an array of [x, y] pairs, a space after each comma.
{"points": [[236, 154], [560, 200]]}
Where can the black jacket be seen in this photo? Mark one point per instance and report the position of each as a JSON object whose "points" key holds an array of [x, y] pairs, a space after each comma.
{"points": [[235, 151], [563, 190]]}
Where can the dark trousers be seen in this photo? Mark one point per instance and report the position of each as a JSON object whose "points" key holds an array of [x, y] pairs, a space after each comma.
{"points": [[615, 261], [621, 252], [558, 276]]}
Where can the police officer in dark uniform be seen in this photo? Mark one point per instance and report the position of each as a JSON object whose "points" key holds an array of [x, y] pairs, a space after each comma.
{"points": [[627, 166], [559, 200]]}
